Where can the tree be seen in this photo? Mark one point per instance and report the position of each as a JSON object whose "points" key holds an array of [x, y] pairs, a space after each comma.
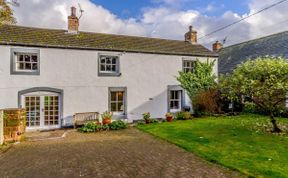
{"points": [[6, 14], [264, 80], [201, 79]]}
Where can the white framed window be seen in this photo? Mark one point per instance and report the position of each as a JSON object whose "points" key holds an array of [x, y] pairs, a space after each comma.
{"points": [[109, 65], [117, 100], [175, 100], [188, 65], [25, 61]]}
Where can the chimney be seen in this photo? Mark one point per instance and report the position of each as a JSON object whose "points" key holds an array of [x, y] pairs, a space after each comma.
{"points": [[217, 46], [73, 21], [191, 36]]}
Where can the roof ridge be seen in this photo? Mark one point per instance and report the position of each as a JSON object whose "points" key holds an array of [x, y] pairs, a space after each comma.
{"points": [[91, 32], [24, 35], [256, 39]]}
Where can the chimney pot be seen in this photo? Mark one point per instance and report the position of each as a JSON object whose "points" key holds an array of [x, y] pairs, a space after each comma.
{"points": [[217, 46], [73, 21], [73, 11], [191, 36]]}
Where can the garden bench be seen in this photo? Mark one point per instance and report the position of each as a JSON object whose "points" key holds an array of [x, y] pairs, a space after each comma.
{"points": [[79, 119]]}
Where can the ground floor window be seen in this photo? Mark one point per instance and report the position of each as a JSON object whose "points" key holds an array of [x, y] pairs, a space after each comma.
{"points": [[175, 100], [117, 100]]}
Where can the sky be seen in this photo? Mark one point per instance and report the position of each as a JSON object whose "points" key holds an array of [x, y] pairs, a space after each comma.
{"points": [[167, 19]]}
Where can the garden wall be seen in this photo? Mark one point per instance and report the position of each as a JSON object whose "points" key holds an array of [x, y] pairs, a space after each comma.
{"points": [[14, 124]]}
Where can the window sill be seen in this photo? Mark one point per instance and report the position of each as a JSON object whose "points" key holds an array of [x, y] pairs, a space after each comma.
{"points": [[25, 73], [100, 74]]}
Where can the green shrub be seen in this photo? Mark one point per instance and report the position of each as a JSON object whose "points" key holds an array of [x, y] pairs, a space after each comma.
{"points": [[90, 127], [141, 123], [154, 121], [117, 125], [105, 127], [180, 115], [187, 115]]}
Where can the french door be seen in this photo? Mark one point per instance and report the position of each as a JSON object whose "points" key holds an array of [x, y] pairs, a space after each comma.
{"points": [[42, 111]]}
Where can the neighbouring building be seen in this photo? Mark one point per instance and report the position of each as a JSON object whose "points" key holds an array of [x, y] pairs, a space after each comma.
{"points": [[231, 56], [54, 74]]}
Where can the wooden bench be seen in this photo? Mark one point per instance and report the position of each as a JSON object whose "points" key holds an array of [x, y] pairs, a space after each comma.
{"points": [[79, 119]]}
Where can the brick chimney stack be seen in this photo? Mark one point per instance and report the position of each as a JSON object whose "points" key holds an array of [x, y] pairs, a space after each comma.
{"points": [[73, 21], [217, 46], [191, 36]]}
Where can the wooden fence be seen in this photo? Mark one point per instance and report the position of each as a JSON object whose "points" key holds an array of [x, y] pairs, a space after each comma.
{"points": [[14, 124]]}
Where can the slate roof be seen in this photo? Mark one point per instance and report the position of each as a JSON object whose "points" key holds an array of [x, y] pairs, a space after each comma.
{"points": [[273, 45], [52, 38]]}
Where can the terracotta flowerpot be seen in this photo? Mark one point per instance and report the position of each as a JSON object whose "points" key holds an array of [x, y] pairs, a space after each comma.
{"points": [[169, 119], [106, 121]]}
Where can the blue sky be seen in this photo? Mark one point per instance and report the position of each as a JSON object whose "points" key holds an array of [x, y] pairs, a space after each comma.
{"points": [[133, 8]]}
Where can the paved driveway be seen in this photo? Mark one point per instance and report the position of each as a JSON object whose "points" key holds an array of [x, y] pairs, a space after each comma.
{"points": [[127, 153]]}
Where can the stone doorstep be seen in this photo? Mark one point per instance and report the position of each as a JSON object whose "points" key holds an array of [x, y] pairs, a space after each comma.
{"points": [[46, 135]]}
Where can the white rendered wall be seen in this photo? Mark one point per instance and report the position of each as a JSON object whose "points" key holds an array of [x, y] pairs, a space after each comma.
{"points": [[146, 77]]}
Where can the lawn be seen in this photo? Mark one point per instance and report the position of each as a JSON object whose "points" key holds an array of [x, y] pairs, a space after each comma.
{"points": [[239, 142]]}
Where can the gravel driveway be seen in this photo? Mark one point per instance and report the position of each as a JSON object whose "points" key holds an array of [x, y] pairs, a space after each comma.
{"points": [[127, 153]]}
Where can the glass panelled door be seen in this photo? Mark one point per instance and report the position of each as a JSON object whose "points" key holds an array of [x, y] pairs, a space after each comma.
{"points": [[42, 111], [32, 105], [51, 110]]}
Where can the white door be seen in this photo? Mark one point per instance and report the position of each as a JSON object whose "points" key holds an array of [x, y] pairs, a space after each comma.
{"points": [[42, 111], [175, 101]]}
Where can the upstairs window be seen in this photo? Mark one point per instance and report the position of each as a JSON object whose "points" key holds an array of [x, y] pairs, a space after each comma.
{"points": [[25, 61], [188, 65], [109, 65]]}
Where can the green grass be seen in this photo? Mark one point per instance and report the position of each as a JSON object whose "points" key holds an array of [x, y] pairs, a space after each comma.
{"points": [[241, 142]]}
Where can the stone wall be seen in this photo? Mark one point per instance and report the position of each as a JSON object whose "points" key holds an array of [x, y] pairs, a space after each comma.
{"points": [[14, 124], [1, 128]]}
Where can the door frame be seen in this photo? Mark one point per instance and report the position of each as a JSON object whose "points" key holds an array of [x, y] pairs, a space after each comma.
{"points": [[59, 92]]}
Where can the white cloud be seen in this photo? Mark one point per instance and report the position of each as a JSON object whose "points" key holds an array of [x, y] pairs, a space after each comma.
{"points": [[163, 22]]}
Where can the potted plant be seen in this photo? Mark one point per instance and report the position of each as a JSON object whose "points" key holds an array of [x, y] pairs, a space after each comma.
{"points": [[169, 117], [146, 117], [106, 117]]}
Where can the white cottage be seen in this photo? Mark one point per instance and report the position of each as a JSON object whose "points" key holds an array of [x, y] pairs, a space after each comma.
{"points": [[56, 73]]}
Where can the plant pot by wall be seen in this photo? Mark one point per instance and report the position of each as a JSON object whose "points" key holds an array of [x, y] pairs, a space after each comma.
{"points": [[169, 119]]}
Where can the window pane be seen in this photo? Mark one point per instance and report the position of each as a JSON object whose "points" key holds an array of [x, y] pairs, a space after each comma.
{"points": [[27, 58], [34, 66], [176, 95], [20, 58], [113, 96], [113, 107], [20, 66], [114, 60], [108, 61], [28, 66], [114, 68], [120, 95], [34, 58], [102, 67], [108, 68], [102, 60], [120, 107], [171, 104], [171, 94]]}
